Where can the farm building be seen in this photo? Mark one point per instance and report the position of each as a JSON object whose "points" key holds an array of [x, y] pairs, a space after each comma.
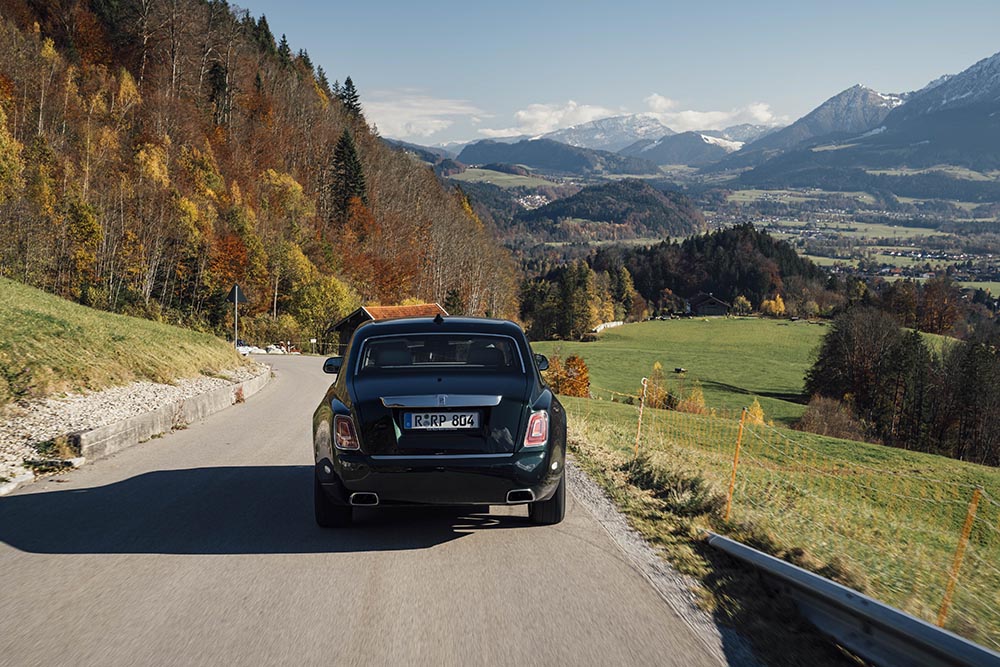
{"points": [[345, 328], [705, 304]]}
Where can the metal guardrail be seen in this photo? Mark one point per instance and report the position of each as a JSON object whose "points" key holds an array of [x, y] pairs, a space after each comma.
{"points": [[875, 631]]}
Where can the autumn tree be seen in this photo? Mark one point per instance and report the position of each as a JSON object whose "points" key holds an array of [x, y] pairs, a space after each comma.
{"points": [[741, 305], [773, 307], [940, 305]]}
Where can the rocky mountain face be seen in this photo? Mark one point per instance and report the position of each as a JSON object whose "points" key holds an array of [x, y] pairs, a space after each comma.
{"points": [[611, 134], [977, 85], [853, 111], [954, 120]]}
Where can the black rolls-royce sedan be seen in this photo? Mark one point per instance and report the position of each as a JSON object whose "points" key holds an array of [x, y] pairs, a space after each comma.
{"points": [[442, 411]]}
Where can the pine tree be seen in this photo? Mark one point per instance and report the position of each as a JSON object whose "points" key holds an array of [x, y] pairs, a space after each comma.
{"points": [[322, 81], [453, 302], [284, 51], [263, 36], [349, 97], [348, 179]]}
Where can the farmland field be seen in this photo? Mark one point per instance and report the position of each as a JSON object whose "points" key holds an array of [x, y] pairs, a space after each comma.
{"points": [[734, 359], [500, 178]]}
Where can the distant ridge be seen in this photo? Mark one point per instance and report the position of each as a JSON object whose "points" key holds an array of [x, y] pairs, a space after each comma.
{"points": [[553, 156]]}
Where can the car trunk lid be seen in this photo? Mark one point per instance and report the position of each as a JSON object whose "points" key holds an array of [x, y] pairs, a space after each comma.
{"points": [[467, 414]]}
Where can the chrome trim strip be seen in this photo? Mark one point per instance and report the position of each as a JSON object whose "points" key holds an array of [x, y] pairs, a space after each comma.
{"points": [[437, 457], [429, 401]]}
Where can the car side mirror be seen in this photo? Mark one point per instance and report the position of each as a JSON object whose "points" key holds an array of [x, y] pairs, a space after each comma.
{"points": [[332, 365], [542, 362]]}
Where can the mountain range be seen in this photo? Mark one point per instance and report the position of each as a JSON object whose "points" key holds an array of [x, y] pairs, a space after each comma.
{"points": [[695, 149], [553, 156], [611, 134], [953, 120]]}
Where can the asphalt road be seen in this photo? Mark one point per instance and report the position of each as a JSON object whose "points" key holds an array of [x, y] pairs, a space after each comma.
{"points": [[200, 548]]}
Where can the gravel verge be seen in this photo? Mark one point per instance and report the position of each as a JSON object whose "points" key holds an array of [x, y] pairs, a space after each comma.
{"points": [[26, 425], [676, 589]]}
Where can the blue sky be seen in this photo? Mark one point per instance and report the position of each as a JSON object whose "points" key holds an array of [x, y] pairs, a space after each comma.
{"points": [[433, 72]]}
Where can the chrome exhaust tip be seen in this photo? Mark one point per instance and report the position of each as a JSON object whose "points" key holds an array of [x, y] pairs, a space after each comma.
{"points": [[520, 496], [364, 499]]}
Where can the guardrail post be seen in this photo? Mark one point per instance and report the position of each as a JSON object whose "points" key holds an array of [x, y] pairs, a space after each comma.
{"points": [[736, 463], [956, 564], [638, 431]]}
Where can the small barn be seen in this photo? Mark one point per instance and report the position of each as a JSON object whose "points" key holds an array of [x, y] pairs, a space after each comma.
{"points": [[346, 327], [705, 305]]}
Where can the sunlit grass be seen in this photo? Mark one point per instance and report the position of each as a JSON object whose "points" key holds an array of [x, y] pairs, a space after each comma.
{"points": [[734, 359], [50, 345], [884, 520]]}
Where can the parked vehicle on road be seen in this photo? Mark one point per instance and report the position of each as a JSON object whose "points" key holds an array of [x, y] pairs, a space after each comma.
{"points": [[442, 411]]}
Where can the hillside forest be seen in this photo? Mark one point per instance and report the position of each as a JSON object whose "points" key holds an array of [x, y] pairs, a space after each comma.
{"points": [[155, 152]]}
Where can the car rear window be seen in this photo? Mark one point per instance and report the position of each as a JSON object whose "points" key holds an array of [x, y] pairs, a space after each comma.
{"points": [[415, 352]]}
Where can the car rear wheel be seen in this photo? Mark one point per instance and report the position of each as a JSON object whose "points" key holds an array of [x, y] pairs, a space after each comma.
{"points": [[551, 511], [329, 514]]}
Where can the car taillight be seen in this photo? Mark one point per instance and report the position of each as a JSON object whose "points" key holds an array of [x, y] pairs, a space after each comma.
{"points": [[344, 435], [538, 430]]}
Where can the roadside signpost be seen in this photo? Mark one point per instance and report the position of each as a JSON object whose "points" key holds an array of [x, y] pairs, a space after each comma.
{"points": [[236, 297]]}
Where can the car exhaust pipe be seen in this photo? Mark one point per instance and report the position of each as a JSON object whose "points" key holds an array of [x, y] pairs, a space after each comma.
{"points": [[364, 499], [520, 496]]}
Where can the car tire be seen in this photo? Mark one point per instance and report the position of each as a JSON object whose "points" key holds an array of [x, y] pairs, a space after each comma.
{"points": [[329, 514], [551, 511]]}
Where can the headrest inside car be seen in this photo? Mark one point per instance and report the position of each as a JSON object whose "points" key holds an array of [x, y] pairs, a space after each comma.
{"points": [[396, 354], [485, 356]]}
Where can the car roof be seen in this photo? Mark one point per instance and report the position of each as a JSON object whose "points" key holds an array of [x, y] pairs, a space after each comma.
{"points": [[406, 325]]}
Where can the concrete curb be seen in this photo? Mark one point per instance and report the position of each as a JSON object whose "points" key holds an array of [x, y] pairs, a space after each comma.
{"points": [[106, 440], [20, 480]]}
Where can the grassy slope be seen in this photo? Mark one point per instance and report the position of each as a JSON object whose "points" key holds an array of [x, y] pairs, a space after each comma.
{"points": [[734, 359], [881, 519], [887, 519], [501, 179], [50, 345]]}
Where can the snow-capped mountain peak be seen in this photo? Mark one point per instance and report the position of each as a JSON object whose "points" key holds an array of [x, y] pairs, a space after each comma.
{"points": [[728, 145], [611, 134], [979, 83]]}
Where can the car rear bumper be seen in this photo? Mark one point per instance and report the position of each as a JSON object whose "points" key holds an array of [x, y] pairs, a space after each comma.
{"points": [[442, 480]]}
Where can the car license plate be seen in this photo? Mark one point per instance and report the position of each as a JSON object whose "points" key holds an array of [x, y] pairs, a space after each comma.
{"points": [[433, 421]]}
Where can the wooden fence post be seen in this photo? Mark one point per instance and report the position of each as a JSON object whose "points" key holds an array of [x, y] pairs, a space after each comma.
{"points": [[736, 463], [956, 564], [638, 431]]}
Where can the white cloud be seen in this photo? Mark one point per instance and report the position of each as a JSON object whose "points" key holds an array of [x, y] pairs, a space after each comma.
{"points": [[542, 118], [665, 109], [409, 113], [659, 104]]}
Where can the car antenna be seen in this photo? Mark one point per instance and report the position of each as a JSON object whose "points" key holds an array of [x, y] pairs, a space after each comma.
{"points": [[438, 319]]}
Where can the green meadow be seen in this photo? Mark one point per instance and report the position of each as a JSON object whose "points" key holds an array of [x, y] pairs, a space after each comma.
{"points": [[734, 359]]}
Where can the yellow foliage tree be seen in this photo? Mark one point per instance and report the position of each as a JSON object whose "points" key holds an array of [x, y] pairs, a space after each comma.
{"points": [[773, 307], [11, 164], [657, 394], [755, 413], [694, 402], [571, 378]]}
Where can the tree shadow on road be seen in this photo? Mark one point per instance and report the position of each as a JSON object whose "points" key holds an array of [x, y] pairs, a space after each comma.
{"points": [[232, 510]]}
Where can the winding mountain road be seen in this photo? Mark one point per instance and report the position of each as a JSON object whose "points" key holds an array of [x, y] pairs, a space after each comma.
{"points": [[200, 548]]}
